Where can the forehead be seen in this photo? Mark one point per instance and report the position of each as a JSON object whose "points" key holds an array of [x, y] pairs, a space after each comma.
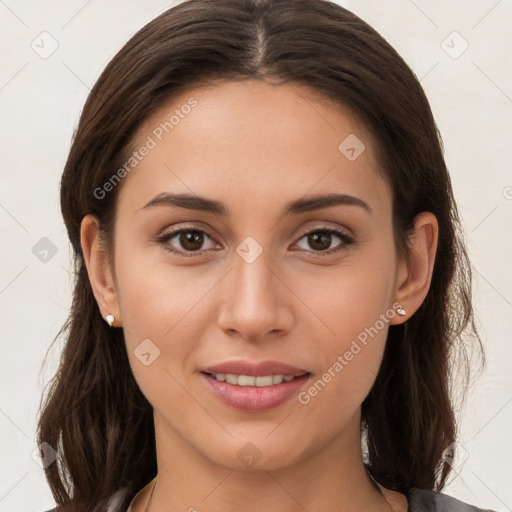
{"points": [[253, 144]]}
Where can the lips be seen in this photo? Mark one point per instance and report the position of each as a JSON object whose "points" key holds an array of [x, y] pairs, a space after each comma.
{"points": [[259, 369], [254, 387]]}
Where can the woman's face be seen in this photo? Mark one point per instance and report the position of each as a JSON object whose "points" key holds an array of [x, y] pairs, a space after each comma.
{"points": [[253, 279]]}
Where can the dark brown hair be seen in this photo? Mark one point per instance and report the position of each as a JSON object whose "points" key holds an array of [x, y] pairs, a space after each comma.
{"points": [[94, 414]]}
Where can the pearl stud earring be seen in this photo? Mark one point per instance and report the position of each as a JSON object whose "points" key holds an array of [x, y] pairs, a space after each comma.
{"points": [[110, 320]]}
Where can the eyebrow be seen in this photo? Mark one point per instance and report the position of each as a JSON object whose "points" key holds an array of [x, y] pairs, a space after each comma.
{"points": [[193, 202]]}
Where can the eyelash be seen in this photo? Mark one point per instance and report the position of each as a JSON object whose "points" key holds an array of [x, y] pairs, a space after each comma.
{"points": [[346, 239]]}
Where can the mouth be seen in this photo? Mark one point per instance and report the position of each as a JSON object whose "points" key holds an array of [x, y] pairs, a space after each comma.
{"points": [[250, 380], [254, 387]]}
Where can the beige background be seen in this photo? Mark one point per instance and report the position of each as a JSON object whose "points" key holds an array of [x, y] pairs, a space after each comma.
{"points": [[41, 98]]}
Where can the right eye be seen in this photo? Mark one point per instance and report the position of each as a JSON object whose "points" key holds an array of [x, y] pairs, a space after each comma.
{"points": [[190, 239]]}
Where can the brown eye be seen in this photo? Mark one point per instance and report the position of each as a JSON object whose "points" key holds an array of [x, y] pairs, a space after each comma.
{"points": [[191, 240], [320, 240], [185, 242]]}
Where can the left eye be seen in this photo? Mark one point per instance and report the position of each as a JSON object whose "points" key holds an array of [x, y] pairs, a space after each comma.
{"points": [[320, 237], [191, 240]]}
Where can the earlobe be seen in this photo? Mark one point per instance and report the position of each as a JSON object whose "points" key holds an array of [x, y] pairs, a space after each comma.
{"points": [[98, 269], [415, 274]]}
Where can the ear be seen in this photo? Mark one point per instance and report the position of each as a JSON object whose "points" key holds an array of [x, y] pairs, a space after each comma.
{"points": [[415, 274], [98, 269]]}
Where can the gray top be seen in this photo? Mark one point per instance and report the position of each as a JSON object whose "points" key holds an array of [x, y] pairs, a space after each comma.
{"points": [[420, 500]]}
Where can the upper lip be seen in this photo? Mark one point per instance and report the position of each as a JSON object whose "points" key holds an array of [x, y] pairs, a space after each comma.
{"points": [[254, 369]]}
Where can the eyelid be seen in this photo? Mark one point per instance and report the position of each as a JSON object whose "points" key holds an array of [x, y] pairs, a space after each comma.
{"points": [[346, 232]]}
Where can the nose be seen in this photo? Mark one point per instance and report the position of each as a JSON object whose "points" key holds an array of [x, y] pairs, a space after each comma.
{"points": [[256, 302]]}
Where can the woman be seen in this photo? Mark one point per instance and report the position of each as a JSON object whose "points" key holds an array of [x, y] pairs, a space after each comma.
{"points": [[270, 275]]}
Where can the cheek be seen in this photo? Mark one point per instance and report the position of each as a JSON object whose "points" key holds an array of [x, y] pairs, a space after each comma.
{"points": [[155, 295], [164, 316], [347, 299], [351, 364], [354, 313]]}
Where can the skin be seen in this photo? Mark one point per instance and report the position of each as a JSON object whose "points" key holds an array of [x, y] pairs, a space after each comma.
{"points": [[255, 147]]}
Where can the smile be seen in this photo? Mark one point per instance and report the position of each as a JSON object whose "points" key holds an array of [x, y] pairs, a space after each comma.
{"points": [[250, 393], [250, 380]]}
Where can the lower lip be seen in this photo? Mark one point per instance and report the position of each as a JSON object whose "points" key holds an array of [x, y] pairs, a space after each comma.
{"points": [[253, 398]]}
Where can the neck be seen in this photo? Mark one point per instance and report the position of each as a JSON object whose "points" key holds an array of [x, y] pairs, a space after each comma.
{"points": [[332, 479]]}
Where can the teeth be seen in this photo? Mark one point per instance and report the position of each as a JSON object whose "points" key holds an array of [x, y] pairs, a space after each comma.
{"points": [[262, 381], [248, 380], [231, 379], [277, 379]]}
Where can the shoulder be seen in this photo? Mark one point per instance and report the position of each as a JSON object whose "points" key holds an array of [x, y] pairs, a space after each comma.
{"points": [[423, 500], [118, 502]]}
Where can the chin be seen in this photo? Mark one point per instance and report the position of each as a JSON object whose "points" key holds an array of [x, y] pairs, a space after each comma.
{"points": [[254, 453]]}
